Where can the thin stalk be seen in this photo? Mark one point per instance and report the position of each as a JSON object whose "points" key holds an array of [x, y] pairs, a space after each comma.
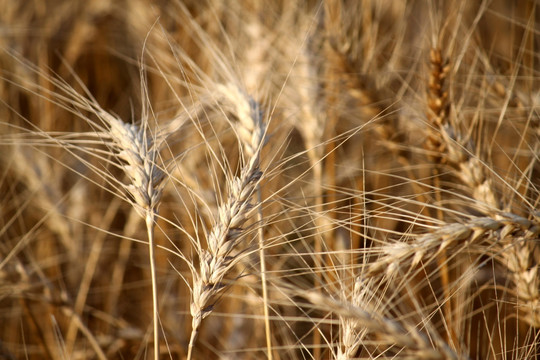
{"points": [[319, 238], [150, 220], [263, 278], [192, 338]]}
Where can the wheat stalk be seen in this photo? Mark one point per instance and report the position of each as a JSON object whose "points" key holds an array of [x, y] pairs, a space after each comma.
{"points": [[135, 146]]}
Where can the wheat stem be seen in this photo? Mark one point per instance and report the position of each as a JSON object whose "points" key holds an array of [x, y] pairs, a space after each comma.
{"points": [[262, 258], [138, 150], [150, 220]]}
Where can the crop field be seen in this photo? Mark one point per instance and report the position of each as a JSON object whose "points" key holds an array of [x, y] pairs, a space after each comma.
{"points": [[280, 180]]}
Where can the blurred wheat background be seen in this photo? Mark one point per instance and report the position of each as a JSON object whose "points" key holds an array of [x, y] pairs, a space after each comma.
{"points": [[269, 179]]}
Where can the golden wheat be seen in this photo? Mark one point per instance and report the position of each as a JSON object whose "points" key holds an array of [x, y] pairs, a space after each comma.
{"points": [[325, 179]]}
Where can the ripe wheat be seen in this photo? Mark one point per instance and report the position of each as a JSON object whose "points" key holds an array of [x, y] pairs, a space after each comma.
{"points": [[285, 180]]}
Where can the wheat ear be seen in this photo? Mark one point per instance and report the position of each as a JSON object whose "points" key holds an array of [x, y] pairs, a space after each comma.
{"points": [[399, 255], [251, 131], [224, 237], [437, 101], [135, 146], [520, 254], [447, 142], [349, 334], [389, 331]]}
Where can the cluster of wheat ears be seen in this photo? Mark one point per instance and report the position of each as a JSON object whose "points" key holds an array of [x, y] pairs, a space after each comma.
{"points": [[323, 179]]}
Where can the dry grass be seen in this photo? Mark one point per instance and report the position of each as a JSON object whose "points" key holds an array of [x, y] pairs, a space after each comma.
{"points": [[283, 180]]}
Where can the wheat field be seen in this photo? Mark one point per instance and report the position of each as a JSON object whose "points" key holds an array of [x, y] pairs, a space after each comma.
{"points": [[325, 179]]}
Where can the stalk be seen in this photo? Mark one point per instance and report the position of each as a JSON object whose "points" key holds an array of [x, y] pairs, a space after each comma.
{"points": [[150, 221]]}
